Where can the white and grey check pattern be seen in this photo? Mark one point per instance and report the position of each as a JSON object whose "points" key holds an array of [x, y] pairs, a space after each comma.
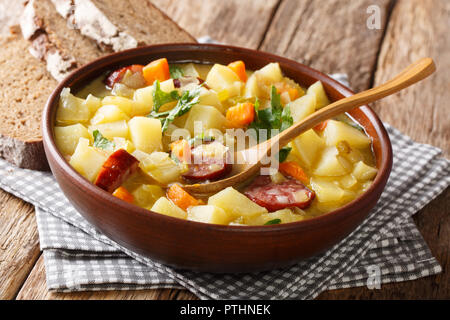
{"points": [[78, 257]]}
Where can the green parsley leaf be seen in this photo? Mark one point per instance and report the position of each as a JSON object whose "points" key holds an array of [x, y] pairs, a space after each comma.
{"points": [[274, 221], [175, 72], [283, 154], [185, 103], [275, 117], [286, 118], [160, 97], [101, 142]]}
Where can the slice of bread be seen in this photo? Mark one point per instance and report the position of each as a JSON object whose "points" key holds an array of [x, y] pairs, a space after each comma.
{"points": [[24, 87], [121, 24], [65, 34], [52, 40]]}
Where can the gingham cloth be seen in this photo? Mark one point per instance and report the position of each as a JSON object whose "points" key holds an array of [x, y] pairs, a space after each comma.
{"points": [[78, 257]]}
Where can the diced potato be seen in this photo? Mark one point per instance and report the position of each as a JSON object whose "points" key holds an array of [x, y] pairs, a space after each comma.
{"points": [[147, 194], [124, 104], [145, 133], [348, 181], [221, 77], [109, 113], [111, 130], [252, 87], [210, 98], [326, 191], [208, 214], [67, 138], [122, 143], [122, 90], [164, 206], [140, 155], [307, 147], [302, 107], [161, 167], [364, 172], [318, 91], [271, 73], [143, 97], [204, 117], [235, 203], [71, 109], [87, 160], [235, 89], [329, 165], [189, 70], [93, 103], [277, 177], [285, 215], [336, 131]]}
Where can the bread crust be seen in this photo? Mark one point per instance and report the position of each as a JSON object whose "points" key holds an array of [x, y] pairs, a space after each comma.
{"points": [[24, 154]]}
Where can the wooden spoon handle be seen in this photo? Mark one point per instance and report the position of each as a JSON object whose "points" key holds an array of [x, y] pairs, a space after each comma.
{"points": [[415, 72]]}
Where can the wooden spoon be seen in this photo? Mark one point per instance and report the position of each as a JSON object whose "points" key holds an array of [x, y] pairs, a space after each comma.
{"points": [[242, 172]]}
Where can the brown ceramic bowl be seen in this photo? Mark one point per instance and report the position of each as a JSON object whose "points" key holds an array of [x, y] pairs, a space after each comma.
{"points": [[208, 247]]}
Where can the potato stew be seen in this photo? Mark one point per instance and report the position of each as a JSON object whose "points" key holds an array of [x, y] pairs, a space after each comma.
{"points": [[142, 132]]}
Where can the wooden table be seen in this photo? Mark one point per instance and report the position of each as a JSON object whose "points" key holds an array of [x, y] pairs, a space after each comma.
{"points": [[331, 35]]}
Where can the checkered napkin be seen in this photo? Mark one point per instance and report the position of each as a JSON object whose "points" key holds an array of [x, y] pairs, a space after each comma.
{"points": [[386, 246]]}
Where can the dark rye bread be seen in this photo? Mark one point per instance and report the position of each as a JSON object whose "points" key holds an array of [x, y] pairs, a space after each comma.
{"points": [[24, 87], [61, 47], [25, 84], [121, 24]]}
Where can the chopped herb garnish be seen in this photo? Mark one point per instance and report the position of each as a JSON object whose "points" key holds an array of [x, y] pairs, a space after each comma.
{"points": [[283, 154], [101, 142], [274, 221], [175, 72], [161, 97], [185, 103], [275, 117]]}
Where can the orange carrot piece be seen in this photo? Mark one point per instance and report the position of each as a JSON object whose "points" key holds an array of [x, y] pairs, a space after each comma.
{"points": [[239, 68], [182, 150], [293, 94], [321, 126], [181, 198], [241, 114], [285, 87], [123, 194], [293, 169], [156, 70]]}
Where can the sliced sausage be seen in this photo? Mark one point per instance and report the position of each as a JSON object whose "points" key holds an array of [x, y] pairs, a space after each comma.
{"points": [[275, 196], [117, 168], [209, 161]]}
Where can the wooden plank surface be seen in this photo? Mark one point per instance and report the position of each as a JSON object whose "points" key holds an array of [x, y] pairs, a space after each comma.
{"points": [[237, 22], [331, 36], [417, 29], [19, 242], [338, 43]]}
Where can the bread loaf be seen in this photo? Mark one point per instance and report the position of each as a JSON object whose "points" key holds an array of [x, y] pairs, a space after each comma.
{"points": [[24, 88], [64, 35], [121, 24]]}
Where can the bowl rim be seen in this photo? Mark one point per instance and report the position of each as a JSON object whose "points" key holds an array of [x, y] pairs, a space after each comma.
{"points": [[78, 181]]}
